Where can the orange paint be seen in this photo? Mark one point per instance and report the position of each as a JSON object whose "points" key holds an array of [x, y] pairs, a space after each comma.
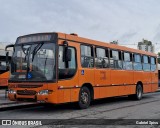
{"points": [[106, 82]]}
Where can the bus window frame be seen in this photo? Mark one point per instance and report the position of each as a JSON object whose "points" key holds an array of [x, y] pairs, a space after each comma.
{"points": [[76, 64], [146, 63], [155, 59], [106, 50], [92, 55], [47, 81], [137, 62], [117, 60], [131, 60]]}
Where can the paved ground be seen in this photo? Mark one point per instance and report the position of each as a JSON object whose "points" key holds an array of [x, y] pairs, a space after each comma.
{"points": [[5, 103], [110, 108]]}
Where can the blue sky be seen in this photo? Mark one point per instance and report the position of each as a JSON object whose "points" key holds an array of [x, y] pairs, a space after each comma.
{"points": [[128, 21]]}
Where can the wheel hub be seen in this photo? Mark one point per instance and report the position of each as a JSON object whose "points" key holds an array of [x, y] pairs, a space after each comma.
{"points": [[84, 97]]}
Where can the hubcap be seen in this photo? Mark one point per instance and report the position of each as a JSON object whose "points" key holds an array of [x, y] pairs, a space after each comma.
{"points": [[84, 98]]}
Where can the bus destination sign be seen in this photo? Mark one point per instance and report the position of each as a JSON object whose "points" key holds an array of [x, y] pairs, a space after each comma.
{"points": [[34, 38]]}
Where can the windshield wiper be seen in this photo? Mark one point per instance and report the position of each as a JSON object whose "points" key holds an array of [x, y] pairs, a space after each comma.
{"points": [[26, 54], [35, 50], [28, 63]]}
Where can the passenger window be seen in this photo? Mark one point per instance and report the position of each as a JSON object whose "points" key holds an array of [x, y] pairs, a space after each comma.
{"points": [[64, 72], [146, 63], [87, 56], [101, 60], [137, 62], [153, 63], [115, 59], [127, 63]]}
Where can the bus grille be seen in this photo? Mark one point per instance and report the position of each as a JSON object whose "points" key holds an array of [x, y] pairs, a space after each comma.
{"points": [[29, 86], [26, 92]]}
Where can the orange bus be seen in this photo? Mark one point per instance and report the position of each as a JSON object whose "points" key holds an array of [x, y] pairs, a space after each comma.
{"points": [[59, 68], [4, 71]]}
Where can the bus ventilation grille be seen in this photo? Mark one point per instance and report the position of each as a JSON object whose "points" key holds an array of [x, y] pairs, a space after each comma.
{"points": [[29, 86], [26, 92]]}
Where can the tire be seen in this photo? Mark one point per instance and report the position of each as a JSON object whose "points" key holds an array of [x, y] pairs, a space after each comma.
{"points": [[139, 93], [84, 98]]}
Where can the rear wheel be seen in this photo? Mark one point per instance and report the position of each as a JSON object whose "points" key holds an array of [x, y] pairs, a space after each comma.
{"points": [[84, 98], [139, 93]]}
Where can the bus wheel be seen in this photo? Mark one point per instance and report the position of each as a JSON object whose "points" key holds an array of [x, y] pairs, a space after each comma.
{"points": [[139, 92], [84, 98]]}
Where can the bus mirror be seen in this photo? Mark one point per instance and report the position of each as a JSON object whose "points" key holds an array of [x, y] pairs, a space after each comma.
{"points": [[67, 52], [67, 55], [7, 53]]}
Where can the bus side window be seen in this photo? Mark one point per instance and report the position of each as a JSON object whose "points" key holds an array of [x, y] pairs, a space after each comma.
{"points": [[87, 56], [153, 63], [137, 62], [127, 61], [115, 59], [101, 59], [146, 65], [63, 72]]}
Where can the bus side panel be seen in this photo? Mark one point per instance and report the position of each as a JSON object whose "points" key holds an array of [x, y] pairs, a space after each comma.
{"points": [[60, 96], [138, 76], [118, 79], [128, 83], [146, 82], [4, 79], [68, 92], [52, 98], [112, 91], [96, 92], [67, 86], [102, 78], [86, 75], [75, 94], [154, 76]]}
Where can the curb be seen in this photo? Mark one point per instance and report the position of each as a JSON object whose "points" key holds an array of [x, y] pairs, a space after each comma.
{"points": [[17, 106], [158, 90]]}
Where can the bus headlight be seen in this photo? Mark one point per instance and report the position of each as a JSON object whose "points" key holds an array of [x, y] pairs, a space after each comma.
{"points": [[45, 92], [11, 91]]}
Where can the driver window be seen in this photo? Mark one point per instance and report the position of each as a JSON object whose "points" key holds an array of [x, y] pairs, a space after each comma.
{"points": [[65, 73]]}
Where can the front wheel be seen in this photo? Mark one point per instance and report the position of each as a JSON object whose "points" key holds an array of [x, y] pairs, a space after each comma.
{"points": [[84, 98]]}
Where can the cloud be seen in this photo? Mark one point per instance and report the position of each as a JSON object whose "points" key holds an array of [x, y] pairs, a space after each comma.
{"points": [[106, 20]]}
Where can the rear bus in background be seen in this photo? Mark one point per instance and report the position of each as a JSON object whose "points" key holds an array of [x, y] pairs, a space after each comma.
{"points": [[4, 70], [59, 68]]}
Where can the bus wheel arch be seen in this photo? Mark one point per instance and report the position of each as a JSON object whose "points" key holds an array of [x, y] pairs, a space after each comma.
{"points": [[85, 96], [140, 83], [138, 92], [90, 87]]}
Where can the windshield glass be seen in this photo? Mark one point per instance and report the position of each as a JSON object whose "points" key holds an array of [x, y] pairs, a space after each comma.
{"points": [[33, 62], [2, 65]]}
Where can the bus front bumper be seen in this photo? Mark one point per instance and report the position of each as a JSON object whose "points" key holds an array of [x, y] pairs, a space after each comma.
{"points": [[40, 97]]}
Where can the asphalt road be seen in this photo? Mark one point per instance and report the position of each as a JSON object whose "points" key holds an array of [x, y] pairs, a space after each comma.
{"points": [[109, 108]]}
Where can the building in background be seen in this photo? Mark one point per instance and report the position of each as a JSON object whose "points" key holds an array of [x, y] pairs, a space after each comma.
{"points": [[2, 48], [146, 45]]}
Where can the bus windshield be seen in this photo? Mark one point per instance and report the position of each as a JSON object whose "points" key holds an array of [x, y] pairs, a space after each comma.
{"points": [[33, 62], [2, 65]]}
